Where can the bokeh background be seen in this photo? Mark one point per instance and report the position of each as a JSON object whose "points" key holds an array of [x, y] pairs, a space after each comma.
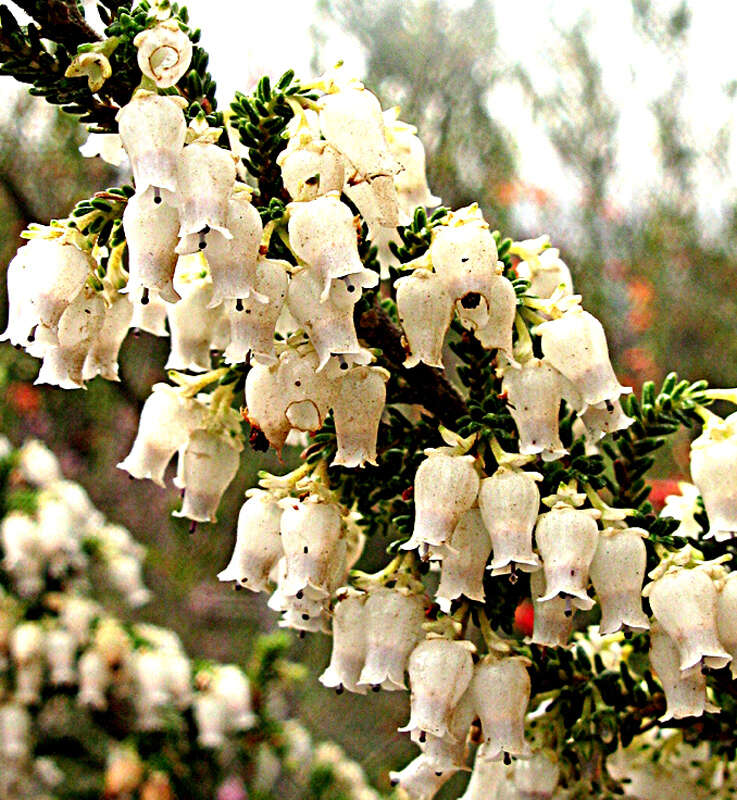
{"points": [[607, 125]]}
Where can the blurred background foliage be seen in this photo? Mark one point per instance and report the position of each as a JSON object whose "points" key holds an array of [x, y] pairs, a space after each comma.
{"points": [[658, 277]]}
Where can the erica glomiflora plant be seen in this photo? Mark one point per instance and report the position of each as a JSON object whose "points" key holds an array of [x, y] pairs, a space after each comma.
{"points": [[285, 248], [93, 706]]}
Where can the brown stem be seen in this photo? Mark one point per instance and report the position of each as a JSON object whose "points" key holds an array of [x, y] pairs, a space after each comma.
{"points": [[60, 21], [424, 385]]}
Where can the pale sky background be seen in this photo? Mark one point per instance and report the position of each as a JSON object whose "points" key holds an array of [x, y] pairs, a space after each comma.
{"points": [[247, 39]]}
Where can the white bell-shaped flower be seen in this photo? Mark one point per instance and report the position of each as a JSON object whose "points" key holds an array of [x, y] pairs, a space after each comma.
{"points": [[462, 569], [727, 618], [536, 777], [311, 168], [464, 256], [534, 392], [487, 777], [152, 128], [232, 261], [151, 234], [684, 602], [492, 318], [126, 575], [500, 690], [322, 233], [61, 649], [21, 543], [310, 531], [258, 543], [253, 323], [445, 488], [79, 327], [352, 121], [94, 679], [617, 572], [421, 779], [22, 314], [179, 678], [192, 323], [148, 668], [150, 316], [600, 421], [546, 273], [37, 464], [509, 501], [211, 718], [76, 616], [27, 651], [349, 646], [205, 179], [440, 671], [289, 394], [164, 53], [357, 409], [231, 685], [450, 750], [409, 152], [15, 733], [393, 628], [714, 471], [166, 422], [685, 690], [102, 357], [329, 321], [425, 309], [210, 462], [575, 344], [567, 538]]}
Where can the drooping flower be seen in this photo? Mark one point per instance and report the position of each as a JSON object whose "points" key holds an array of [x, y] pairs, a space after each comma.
{"points": [[164, 53], [421, 779], [575, 344], [462, 567], [546, 270], [487, 777], [94, 679], [600, 421], [727, 618], [393, 627], [310, 167], [445, 487], [231, 685], [567, 539], [27, 652], [61, 649], [93, 65], [617, 572], [684, 507], [102, 357], [349, 646], [425, 309], [152, 128], [258, 542], [450, 750], [684, 602], [509, 502], [440, 671]]}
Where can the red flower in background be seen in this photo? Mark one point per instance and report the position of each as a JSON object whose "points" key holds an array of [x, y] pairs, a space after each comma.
{"points": [[23, 398]]}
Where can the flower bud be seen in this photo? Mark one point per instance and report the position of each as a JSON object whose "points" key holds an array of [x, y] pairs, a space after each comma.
{"points": [[230, 684], [617, 572], [684, 602], [258, 543], [500, 690], [421, 779], [310, 531], [166, 422], [425, 309], [164, 53], [323, 235], [124, 773], [349, 646], [210, 462], [445, 487], [713, 470], [685, 690], [151, 234], [205, 178], [152, 128], [102, 357], [157, 787], [534, 393], [509, 502], [440, 671], [393, 628], [327, 321], [252, 325], [94, 679], [462, 570], [310, 168], [575, 344], [357, 409], [567, 538], [61, 649]]}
